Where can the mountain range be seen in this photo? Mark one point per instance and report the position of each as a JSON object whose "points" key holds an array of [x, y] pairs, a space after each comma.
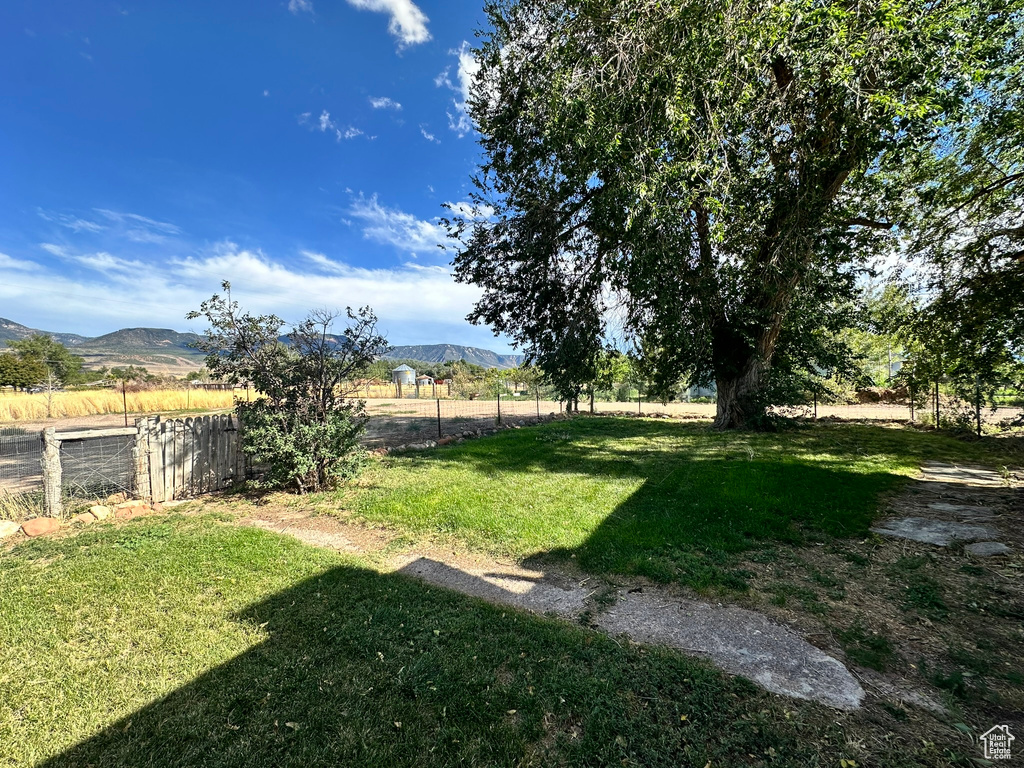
{"points": [[162, 350]]}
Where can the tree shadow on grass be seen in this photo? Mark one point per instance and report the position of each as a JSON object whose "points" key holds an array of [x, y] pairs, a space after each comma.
{"points": [[703, 496], [363, 669]]}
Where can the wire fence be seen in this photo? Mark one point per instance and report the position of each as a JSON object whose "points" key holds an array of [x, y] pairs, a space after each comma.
{"points": [[20, 469], [96, 466], [394, 421]]}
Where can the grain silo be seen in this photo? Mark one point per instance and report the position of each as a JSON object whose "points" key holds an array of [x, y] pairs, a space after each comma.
{"points": [[404, 376]]}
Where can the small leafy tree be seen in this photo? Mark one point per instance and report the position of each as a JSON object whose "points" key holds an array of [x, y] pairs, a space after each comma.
{"points": [[305, 428], [62, 366], [20, 372]]}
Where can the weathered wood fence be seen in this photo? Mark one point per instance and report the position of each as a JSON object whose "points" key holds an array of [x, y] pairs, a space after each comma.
{"points": [[168, 460], [188, 457]]}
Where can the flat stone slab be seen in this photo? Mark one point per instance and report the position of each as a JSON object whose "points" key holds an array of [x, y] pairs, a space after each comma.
{"points": [[8, 528], [740, 642], [942, 533], [949, 473], [962, 510], [987, 548], [513, 586]]}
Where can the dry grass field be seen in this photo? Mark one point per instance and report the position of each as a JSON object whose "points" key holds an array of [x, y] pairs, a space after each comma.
{"points": [[20, 407]]}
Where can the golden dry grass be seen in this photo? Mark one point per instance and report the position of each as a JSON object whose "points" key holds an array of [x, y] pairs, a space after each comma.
{"points": [[16, 407]]}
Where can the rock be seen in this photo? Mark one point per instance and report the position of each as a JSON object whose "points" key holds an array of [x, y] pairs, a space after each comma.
{"points": [[987, 548], [40, 526], [86, 518], [100, 511], [117, 498], [942, 533], [937, 472], [961, 510], [157, 507], [8, 528], [739, 641]]}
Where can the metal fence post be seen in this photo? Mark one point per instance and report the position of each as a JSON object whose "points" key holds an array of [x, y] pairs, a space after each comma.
{"points": [[499, 407], [51, 472], [439, 418], [537, 393], [815, 406]]}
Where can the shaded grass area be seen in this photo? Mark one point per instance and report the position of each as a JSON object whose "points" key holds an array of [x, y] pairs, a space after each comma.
{"points": [[186, 642], [669, 501]]}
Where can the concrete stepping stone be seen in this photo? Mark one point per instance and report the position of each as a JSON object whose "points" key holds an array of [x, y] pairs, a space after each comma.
{"points": [[941, 533], [948, 473], [962, 510], [736, 640], [987, 548], [740, 642], [512, 586]]}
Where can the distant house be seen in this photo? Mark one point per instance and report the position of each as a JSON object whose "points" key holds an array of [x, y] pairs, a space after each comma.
{"points": [[404, 375]]}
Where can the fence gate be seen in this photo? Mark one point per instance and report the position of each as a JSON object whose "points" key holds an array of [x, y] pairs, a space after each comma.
{"points": [[187, 457]]}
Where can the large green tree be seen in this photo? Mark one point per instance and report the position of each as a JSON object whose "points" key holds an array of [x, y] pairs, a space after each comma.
{"points": [[715, 171], [969, 238]]}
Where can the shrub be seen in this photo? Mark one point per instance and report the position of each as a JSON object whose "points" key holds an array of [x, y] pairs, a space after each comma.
{"points": [[304, 428]]}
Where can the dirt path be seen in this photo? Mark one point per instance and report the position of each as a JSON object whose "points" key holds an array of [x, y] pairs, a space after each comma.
{"points": [[737, 640]]}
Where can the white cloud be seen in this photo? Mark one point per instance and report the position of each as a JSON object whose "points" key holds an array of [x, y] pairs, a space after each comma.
{"points": [[69, 221], [468, 67], [417, 304], [468, 210], [140, 224], [408, 23], [383, 102], [397, 228], [325, 124], [103, 262], [300, 6], [266, 92], [428, 135], [9, 263]]}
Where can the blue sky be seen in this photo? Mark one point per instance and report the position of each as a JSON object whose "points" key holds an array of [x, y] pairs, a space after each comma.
{"points": [[300, 148]]}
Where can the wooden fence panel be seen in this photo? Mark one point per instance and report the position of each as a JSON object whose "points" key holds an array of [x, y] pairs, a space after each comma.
{"points": [[183, 458]]}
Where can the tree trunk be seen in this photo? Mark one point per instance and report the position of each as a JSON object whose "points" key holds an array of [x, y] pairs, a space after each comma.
{"points": [[738, 401]]}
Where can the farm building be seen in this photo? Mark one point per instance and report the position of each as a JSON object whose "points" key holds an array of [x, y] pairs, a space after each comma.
{"points": [[404, 375]]}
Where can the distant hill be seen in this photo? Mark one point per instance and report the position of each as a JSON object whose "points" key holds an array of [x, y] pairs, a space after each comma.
{"points": [[443, 353], [162, 350], [12, 331]]}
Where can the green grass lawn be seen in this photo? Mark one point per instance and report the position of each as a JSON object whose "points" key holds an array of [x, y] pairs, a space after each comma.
{"points": [[190, 642], [666, 500]]}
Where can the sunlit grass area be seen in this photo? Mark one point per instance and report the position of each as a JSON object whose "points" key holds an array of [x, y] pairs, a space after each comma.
{"points": [[188, 642], [667, 500]]}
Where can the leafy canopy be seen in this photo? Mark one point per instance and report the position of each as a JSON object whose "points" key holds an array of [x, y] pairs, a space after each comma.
{"points": [[711, 174]]}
